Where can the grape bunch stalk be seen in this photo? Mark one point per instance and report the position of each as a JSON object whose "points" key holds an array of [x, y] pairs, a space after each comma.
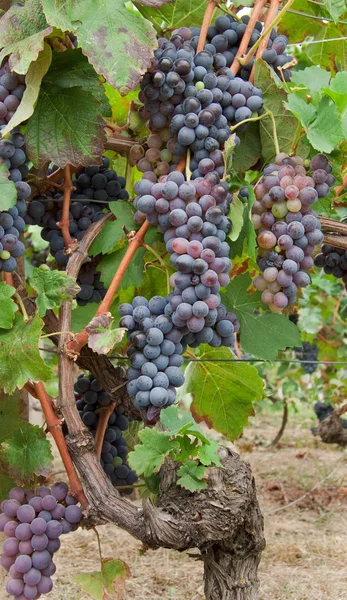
{"points": [[288, 229], [33, 522]]}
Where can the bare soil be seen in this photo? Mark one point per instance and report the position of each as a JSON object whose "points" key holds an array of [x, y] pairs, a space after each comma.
{"points": [[305, 557]]}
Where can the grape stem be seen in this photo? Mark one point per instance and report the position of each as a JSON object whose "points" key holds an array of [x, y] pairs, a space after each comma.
{"points": [[104, 416], [161, 262], [22, 307], [54, 428], [269, 114], [245, 60], [48, 335], [211, 5], [270, 16], [258, 7], [64, 223]]}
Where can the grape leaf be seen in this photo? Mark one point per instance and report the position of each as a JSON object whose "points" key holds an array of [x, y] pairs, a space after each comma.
{"points": [[101, 337], [223, 392], [113, 231], [52, 287], [335, 7], [10, 420], [305, 112], [300, 26], [262, 335], [248, 152], [20, 359], [274, 95], [134, 274], [66, 127], [154, 3], [8, 307], [103, 29], [246, 237], [181, 424], [330, 55], [28, 452], [8, 194], [311, 319], [207, 454], [191, 475], [71, 69], [148, 456], [338, 91], [33, 80], [22, 33], [107, 584], [325, 132], [6, 484], [313, 78], [236, 217], [178, 14]]}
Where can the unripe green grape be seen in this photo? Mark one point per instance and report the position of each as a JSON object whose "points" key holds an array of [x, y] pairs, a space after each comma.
{"points": [[280, 209], [200, 85], [166, 156], [5, 255]]}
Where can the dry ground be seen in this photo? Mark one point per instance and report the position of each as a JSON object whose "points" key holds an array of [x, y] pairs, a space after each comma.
{"points": [[305, 558]]}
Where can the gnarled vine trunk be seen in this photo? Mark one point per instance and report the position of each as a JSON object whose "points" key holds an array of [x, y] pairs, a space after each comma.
{"points": [[223, 521]]}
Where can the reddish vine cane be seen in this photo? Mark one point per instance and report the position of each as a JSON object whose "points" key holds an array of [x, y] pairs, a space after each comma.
{"points": [[258, 7]]}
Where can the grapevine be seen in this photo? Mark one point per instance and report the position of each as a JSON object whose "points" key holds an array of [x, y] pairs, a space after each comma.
{"points": [[171, 213]]}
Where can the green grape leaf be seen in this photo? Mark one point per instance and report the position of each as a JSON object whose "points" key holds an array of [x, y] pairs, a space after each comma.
{"points": [[236, 217], [101, 337], [207, 454], [103, 30], [66, 127], [52, 287], [305, 112], [148, 456], [311, 319], [262, 335], [246, 238], [248, 152], [10, 420], [22, 33], [113, 231], [325, 132], [121, 105], [274, 95], [131, 435], [177, 14], [20, 359], [335, 7], [191, 475], [134, 274], [313, 78], [228, 151], [106, 584], [6, 483], [71, 69], [223, 392], [33, 79], [175, 422], [8, 194], [28, 452], [300, 26], [8, 307], [338, 91], [330, 55]]}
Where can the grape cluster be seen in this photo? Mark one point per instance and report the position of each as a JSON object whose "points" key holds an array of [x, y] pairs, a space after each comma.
{"points": [[323, 411], [33, 522], [12, 221], [190, 100], [287, 228], [99, 184], [46, 211], [225, 36], [308, 352], [90, 399], [334, 262], [12, 88]]}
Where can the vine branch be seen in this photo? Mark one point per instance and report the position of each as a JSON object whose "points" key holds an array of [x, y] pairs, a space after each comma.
{"points": [[211, 5], [65, 221], [54, 428], [270, 16], [258, 7]]}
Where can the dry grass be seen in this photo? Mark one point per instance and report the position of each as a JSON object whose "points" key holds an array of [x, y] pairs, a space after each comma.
{"points": [[305, 558]]}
